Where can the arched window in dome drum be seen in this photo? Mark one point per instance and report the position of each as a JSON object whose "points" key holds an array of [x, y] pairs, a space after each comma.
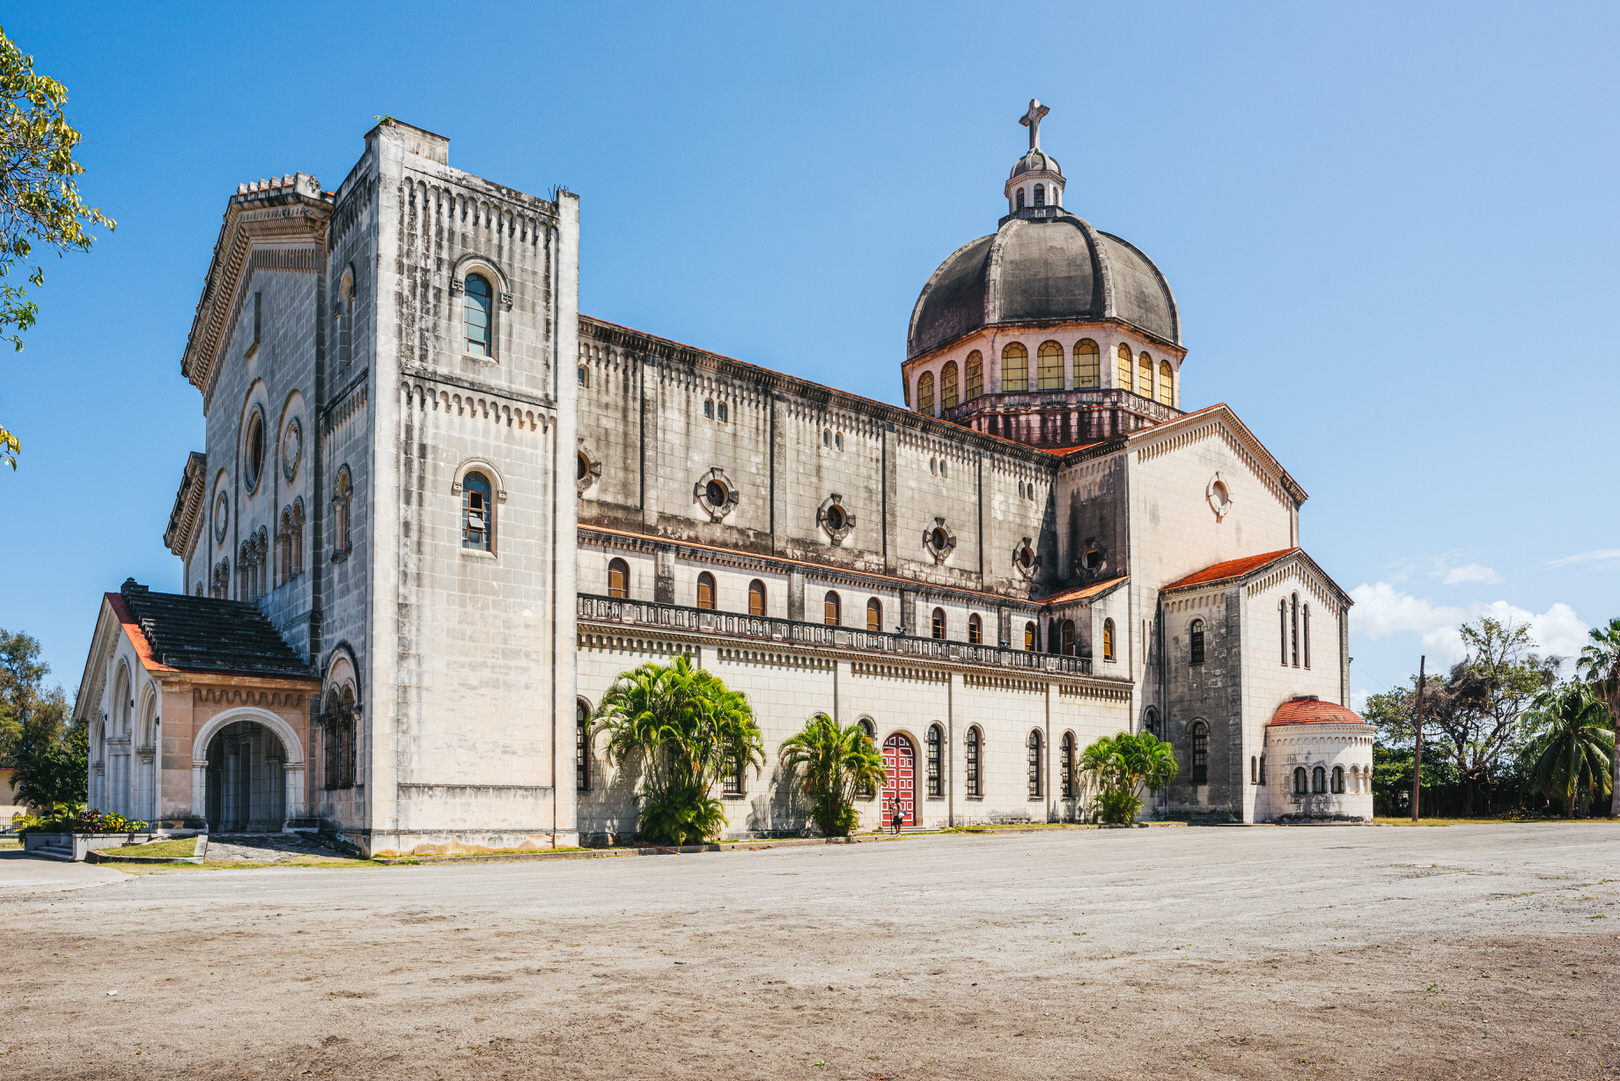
{"points": [[1144, 376], [975, 376], [1040, 194], [1167, 383], [1049, 367], [1014, 368], [1124, 366], [925, 394], [1020, 198], [947, 385], [1087, 364]]}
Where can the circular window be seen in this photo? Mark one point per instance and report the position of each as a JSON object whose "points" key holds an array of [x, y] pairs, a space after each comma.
{"points": [[714, 493], [940, 539], [836, 518], [1026, 557], [292, 448], [1219, 496], [222, 508], [1094, 558], [584, 467], [253, 450]]}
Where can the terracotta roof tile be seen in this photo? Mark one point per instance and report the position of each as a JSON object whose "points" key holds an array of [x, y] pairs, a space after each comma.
{"points": [[1309, 709], [1095, 589], [1232, 568]]}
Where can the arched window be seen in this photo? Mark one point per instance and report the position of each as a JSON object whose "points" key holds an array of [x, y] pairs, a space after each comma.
{"points": [[1293, 629], [947, 385], [975, 375], [1068, 765], [1029, 637], [1124, 366], [297, 537], [1299, 781], [1282, 629], [477, 518], [1167, 383], [584, 376], [939, 623], [1254, 770], [1338, 778], [832, 610], [1195, 642], [1087, 364], [1014, 368], [582, 746], [1108, 639], [342, 499], [925, 393], [1318, 781], [874, 615], [619, 579], [1150, 721], [1198, 741], [864, 791], [705, 591], [1035, 771], [1020, 198], [1068, 638], [253, 449], [1307, 635], [1262, 769], [756, 599], [1049, 366], [1040, 194], [1144, 376], [936, 775], [970, 764], [477, 314], [708, 409], [975, 630]]}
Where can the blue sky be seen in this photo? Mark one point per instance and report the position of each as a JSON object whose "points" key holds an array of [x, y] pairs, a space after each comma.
{"points": [[1389, 227]]}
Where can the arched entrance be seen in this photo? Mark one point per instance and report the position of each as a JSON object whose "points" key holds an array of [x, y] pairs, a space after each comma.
{"points": [[246, 780], [900, 785]]}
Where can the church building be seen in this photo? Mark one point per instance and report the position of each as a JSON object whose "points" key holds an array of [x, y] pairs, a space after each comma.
{"points": [[438, 510]]}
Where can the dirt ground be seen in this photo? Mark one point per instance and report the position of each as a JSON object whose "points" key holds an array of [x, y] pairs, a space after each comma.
{"points": [[1468, 951]]}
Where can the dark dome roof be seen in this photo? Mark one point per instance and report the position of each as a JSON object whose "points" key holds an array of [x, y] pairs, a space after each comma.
{"points": [[1036, 269], [1033, 162]]}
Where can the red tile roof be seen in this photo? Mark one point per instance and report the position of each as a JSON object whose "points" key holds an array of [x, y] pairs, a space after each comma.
{"points": [[1232, 568], [1311, 710], [1095, 589]]}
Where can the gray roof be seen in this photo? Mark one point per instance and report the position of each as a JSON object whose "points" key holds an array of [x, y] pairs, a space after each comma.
{"points": [[1033, 162], [1042, 265], [202, 634]]}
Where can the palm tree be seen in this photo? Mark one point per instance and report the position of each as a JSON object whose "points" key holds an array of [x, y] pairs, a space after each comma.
{"points": [[1120, 766], [1574, 751], [836, 761], [687, 730], [1599, 664]]}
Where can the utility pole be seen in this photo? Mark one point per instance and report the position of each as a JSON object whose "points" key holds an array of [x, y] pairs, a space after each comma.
{"points": [[1417, 754]]}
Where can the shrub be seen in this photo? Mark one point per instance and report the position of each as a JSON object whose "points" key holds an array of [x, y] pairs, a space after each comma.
{"points": [[77, 818]]}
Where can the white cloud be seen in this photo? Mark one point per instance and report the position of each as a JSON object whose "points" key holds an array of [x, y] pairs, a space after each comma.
{"points": [[1382, 610], [1358, 702], [1470, 572], [1586, 557]]}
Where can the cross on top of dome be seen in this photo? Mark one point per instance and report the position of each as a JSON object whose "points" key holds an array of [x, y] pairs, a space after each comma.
{"points": [[1032, 121]]}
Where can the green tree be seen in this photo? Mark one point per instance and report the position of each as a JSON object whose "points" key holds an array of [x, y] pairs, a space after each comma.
{"points": [[39, 198], [1119, 767], [1573, 752], [35, 740], [835, 762], [58, 772], [1599, 664], [685, 729]]}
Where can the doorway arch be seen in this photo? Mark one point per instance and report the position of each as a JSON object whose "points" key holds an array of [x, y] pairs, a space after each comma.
{"points": [[900, 781], [247, 772]]}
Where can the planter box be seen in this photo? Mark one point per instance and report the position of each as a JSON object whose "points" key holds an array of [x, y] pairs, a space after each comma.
{"points": [[74, 846]]}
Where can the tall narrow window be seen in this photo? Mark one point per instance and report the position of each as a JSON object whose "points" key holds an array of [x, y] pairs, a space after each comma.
{"points": [[1319, 781], [1014, 368], [476, 314], [477, 523], [864, 791], [584, 376], [1293, 630], [1338, 779], [1108, 639], [705, 591], [874, 615], [1068, 765], [832, 610], [1144, 376], [947, 385], [975, 375], [1125, 366], [939, 623], [1262, 769], [1020, 198], [1040, 194], [1198, 739], [925, 394], [756, 599], [1087, 364], [1049, 366], [1167, 383], [971, 762], [1035, 787], [1282, 629], [1195, 642], [732, 783], [975, 630], [1030, 636], [619, 579], [582, 747], [1307, 635], [1299, 781], [936, 740], [1254, 770], [1068, 638]]}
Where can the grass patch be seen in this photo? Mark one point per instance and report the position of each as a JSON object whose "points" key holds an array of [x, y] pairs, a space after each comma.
{"points": [[180, 846]]}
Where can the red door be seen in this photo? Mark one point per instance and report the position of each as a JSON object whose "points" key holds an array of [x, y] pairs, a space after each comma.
{"points": [[900, 786]]}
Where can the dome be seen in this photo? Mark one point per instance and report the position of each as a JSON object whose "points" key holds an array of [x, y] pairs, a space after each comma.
{"points": [[1036, 161], [1053, 267]]}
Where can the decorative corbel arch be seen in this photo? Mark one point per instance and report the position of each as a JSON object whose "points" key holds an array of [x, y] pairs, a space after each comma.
{"points": [[484, 466], [475, 263]]}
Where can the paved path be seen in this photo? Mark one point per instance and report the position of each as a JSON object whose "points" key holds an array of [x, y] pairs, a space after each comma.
{"points": [[21, 873]]}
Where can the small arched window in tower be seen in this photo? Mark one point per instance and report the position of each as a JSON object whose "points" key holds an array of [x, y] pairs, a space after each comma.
{"points": [[1014, 368], [936, 772], [477, 520], [970, 764], [584, 376], [1319, 781], [1300, 782], [832, 610], [1338, 779], [1293, 630], [1020, 198], [342, 507], [1067, 765], [1167, 383], [705, 591], [1068, 638], [1195, 642], [1030, 636], [1040, 194], [975, 630], [938, 624], [1049, 366], [1305, 632], [1034, 762], [1262, 769], [925, 394], [1144, 376], [1282, 629], [477, 314], [1108, 639], [975, 376], [1087, 364], [619, 579], [1125, 366], [756, 599], [826, 437], [582, 746], [1198, 742], [708, 409], [947, 386]]}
